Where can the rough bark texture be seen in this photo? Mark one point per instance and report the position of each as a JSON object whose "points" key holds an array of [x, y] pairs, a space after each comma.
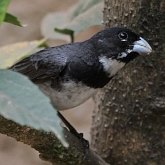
{"points": [[49, 147], [129, 119]]}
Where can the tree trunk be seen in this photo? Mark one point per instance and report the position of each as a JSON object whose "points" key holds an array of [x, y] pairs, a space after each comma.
{"points": [[129, 119]]}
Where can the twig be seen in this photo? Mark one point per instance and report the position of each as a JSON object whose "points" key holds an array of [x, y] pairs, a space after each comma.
{"points": [[49, 147]]}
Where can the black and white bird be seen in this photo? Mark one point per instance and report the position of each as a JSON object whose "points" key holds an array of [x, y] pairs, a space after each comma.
{"points": [[70, 74]]}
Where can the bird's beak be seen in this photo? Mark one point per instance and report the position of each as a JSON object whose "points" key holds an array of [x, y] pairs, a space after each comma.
{"points": [[142, 47]]}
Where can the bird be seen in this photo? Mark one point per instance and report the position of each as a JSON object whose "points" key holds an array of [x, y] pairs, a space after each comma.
{"points": [[70, 74]]}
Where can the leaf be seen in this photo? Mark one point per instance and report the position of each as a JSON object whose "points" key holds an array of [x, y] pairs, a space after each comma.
{"points": [[9, 18], [3, 7], [67, 32], [23, 102], [91, 17], [75, 19], [82, 6], [52, 21], [11, 54]]}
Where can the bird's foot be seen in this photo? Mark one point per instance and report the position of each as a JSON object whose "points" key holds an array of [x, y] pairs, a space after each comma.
{"points": [[84, 142]]}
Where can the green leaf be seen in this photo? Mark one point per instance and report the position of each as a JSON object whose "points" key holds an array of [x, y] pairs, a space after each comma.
{"points": [[13, 53], [67, 32], [76, 19], [23, 102], [9, 18], [52, 21], [3, 7]]}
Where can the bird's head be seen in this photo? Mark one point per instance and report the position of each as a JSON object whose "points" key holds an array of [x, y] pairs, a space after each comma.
{"points": [[118, 46]]}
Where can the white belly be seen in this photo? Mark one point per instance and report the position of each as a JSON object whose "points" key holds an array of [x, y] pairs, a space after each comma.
{"points": [[70, 96]]}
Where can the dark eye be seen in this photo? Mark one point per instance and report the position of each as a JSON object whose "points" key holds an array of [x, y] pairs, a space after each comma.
{"points": [[123, 36]]}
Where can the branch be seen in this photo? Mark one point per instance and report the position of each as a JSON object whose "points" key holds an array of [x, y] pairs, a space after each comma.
{"points": [[48, 145]]}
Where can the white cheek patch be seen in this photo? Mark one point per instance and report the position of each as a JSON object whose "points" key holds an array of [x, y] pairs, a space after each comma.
{"points": [[129, 51], [122, 55], [111, 66]]}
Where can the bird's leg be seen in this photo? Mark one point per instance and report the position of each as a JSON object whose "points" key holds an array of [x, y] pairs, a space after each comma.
{"points": [[84, 142]]}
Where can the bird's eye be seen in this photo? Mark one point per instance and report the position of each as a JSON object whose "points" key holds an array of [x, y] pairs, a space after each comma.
{"points": [[123, 36]]}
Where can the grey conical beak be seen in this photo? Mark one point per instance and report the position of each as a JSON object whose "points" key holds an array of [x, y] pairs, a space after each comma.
{"points": [[142, 47]]}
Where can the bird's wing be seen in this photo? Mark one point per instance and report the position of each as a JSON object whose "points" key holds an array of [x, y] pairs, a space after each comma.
{"points": [[43, 65]]}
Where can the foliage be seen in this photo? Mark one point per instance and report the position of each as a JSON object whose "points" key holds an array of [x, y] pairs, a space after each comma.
{"points": [[22, 102], [78, 18], [6, 17], [3, 7], [9, 18], [13, 53]]}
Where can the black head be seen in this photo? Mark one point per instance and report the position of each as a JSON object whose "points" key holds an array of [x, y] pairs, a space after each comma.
{"points": [[117, 46], [121, 44]]}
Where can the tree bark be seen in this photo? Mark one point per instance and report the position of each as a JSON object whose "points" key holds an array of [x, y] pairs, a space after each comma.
{"points": [[129, 120]]}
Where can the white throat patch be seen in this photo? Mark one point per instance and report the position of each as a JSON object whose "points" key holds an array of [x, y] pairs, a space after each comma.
{"points": [[111, 66]]}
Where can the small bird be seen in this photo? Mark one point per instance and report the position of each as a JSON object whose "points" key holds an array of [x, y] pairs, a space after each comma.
{"points": [[70, 74]]}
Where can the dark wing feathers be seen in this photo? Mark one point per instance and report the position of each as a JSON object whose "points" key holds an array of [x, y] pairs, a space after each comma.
{"points": [[42, 65], [81, 59]]}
